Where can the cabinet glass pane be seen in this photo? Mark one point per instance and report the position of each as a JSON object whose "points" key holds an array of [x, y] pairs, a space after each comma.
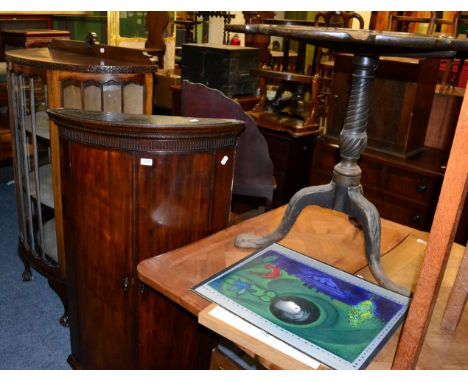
{"points": [[133, 99], [71, 96], [31, 134], [92, 98], [112, 98]]}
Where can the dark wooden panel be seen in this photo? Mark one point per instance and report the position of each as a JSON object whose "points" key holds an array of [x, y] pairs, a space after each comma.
{"points": [[419, 187], [400, 210], [291, 157], [169, 337], [372, 173], [173, 201], [223, 168], [99, 254], [223, 67], [400, 103]]}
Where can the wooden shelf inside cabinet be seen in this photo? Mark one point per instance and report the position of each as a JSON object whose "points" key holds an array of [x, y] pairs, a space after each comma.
{"points": [[42, 125], [45, 185], [283, 105]]}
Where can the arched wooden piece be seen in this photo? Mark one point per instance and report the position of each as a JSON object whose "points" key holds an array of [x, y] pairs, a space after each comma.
{"points": [[253, 173]]}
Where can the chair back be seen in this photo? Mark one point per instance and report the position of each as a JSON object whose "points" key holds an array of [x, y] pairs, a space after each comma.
{"points": [[338, 19], [253, 171]]}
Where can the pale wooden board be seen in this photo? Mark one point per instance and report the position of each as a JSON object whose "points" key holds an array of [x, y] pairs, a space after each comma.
{"points": [[256, 347]]}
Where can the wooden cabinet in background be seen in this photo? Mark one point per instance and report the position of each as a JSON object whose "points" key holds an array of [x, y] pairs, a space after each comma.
{"points": [[30, 38], [403, 190], [223, 67], [291, 156], [400, 103], [134, 187], [19, 39]]}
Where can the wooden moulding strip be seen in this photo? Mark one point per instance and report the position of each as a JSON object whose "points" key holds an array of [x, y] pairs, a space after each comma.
{"points": [[53, 95]]}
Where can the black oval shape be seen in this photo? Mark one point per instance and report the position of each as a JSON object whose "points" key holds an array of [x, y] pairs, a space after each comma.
{"points": [[294, 310]]}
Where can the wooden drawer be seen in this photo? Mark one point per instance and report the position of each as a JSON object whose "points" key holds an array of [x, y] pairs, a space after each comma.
{"points": [[404, 195], [415, 185], [400, 210], [229, 356]]}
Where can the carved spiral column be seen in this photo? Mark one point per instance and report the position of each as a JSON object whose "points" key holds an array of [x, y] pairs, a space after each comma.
{"points": [[353, 137]]}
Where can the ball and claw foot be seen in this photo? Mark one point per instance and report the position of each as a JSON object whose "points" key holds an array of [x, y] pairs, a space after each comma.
{"points": [[65, 321], [27, 274]]}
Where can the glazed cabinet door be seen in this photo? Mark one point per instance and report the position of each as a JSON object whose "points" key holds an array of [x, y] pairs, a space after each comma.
{"points": [[97, 191], [28, 94]]}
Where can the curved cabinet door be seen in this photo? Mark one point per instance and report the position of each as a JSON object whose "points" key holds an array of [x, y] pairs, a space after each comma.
{"points": [[98, 194]]}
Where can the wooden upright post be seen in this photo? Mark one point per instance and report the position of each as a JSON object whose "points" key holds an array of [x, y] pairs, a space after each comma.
{"points": [[447, 215]]}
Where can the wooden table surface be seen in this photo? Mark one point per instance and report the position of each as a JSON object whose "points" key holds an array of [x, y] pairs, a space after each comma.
{"points": [[327, 236], [322, 234]]}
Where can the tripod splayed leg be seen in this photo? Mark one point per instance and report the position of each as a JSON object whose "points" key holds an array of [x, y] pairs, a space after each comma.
{"points": [[344, 192]]}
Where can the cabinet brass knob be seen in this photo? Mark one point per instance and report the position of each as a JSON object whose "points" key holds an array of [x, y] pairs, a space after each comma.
{"points": [[125, 283]]}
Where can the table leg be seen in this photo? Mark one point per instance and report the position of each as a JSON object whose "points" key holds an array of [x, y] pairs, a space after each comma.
{"points": [[344, 193], [315, 195], [368, 217]]}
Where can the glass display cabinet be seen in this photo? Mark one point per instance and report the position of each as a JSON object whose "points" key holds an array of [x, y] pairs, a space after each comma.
{"points": [[70, 74]]}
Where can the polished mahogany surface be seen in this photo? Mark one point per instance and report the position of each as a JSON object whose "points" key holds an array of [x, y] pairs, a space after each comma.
{"points": [[148, 125], [78, 56], [134, 187], [365, 41]]}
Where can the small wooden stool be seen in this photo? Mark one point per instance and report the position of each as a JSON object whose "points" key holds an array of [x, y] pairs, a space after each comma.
{"points": [[458, 296]]}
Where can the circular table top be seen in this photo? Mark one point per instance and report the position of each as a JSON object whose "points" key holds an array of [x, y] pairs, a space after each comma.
{"points": [[366, 42]]}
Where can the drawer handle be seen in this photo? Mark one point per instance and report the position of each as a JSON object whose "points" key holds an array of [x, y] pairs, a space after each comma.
{"points": [[415, 219], [422, 189]]}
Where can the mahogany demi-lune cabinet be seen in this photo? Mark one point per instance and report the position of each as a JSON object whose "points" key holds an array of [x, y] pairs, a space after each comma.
{"points": [[136, 186], [68, 74]]}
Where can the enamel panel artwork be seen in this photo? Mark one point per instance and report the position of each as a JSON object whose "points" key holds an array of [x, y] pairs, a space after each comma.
{"points": [[335, 317]]}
